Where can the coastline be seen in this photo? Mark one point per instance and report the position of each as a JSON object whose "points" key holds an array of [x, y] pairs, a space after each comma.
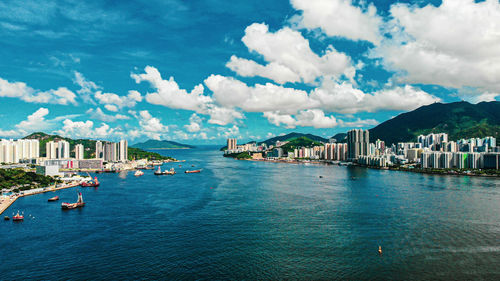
{"points": [[8, 202], [418, 171]]}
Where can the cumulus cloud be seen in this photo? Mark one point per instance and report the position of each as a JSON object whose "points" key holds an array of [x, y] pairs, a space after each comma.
{"points": [[314, 118], [344, 98], [194, 123], [85, 129], [454, 45], [22, 91], [115, 101], [339, 18], [35, 120], [169, 94], [86, 87], [290, 57]]}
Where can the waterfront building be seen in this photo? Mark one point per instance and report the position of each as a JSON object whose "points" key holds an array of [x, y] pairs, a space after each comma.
{"points": [[15, 151], [123, 151], [231, 144], [491, 160], [99, 150], [79, 152], [62, 149], [50, 150], [358, 143]]}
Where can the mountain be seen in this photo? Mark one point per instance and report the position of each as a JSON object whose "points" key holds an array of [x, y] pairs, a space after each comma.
{"points": [[156, 144], [293, 136], [458, 119], [89, 145], [298, 143], [340, 137]]}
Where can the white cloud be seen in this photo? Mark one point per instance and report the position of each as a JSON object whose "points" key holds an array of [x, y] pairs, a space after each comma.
{"points": [[454, 45], [344, 98], [100, 115], [85, 129], [169, 94], [230, 92], [86, 87], [307, 118], [290, 57], [111, 107], [34, 121], [339, 18], [194, 123], [22, 91], [130, 100], [150, 126]]}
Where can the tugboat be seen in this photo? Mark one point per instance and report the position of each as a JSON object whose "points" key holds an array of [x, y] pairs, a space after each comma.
{"points": [[192, 171], [138, 173], [78, 204], [18, 217], [91, 183], [55, 198]]}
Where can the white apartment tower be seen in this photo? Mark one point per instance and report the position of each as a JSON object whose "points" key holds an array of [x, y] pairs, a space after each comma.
{"points": [[79, 152]]}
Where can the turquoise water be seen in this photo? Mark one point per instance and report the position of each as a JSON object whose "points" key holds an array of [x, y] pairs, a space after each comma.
{"points": [[260, 221]]}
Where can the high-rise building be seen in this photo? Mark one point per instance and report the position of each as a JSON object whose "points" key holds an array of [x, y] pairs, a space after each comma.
{"points": [[99, 150], [62, 149], [79, 152], [231, 144], [50, 150], [123, 151], [358, 142]]}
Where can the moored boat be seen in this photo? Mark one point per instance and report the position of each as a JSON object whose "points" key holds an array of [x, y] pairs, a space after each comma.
{"points": [[166, 172], [55, 198], [138, 173], [6, 218], [192, 171], [91, 183], [78, 204], [18, 217]]}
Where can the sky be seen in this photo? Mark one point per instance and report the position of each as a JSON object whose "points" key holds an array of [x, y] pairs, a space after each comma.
{"points": [[199, 72]]}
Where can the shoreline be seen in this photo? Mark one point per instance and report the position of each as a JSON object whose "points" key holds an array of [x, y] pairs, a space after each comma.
{"points": [[418, 171], [8, 202]]}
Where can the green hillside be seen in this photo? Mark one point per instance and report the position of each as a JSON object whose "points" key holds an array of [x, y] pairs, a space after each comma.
{"points": [[458, 119], [156, 144], [293, 136], [298, 143], [89, 145]]}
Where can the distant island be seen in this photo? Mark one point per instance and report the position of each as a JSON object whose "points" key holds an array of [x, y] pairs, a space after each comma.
{"points": [[164, 144]]}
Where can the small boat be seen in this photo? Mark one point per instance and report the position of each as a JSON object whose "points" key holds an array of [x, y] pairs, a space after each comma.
{"points": [[18, 217], [91, 183], [380, 250], [192, 165], [159, 172], [192, 171], [78, 204], [138, 173], [55, 198], [6, 218], [320, 177]]}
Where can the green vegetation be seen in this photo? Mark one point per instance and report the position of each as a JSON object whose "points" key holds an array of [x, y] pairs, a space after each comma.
{"points": [[458, 119], [137, 153], [298, 143], [293, 136], [22, 180], [156, 144], [239, 156], [89, 145]]}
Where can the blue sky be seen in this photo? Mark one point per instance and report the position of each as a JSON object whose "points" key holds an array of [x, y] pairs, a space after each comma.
{"points": [[202, 71]]}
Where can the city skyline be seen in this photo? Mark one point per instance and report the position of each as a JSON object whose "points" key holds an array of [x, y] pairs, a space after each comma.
{"points": [[207, 71]]}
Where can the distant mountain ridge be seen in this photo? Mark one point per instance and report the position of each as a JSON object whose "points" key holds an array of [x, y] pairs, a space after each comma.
{"points": [[164, 144], [458, 119]]}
